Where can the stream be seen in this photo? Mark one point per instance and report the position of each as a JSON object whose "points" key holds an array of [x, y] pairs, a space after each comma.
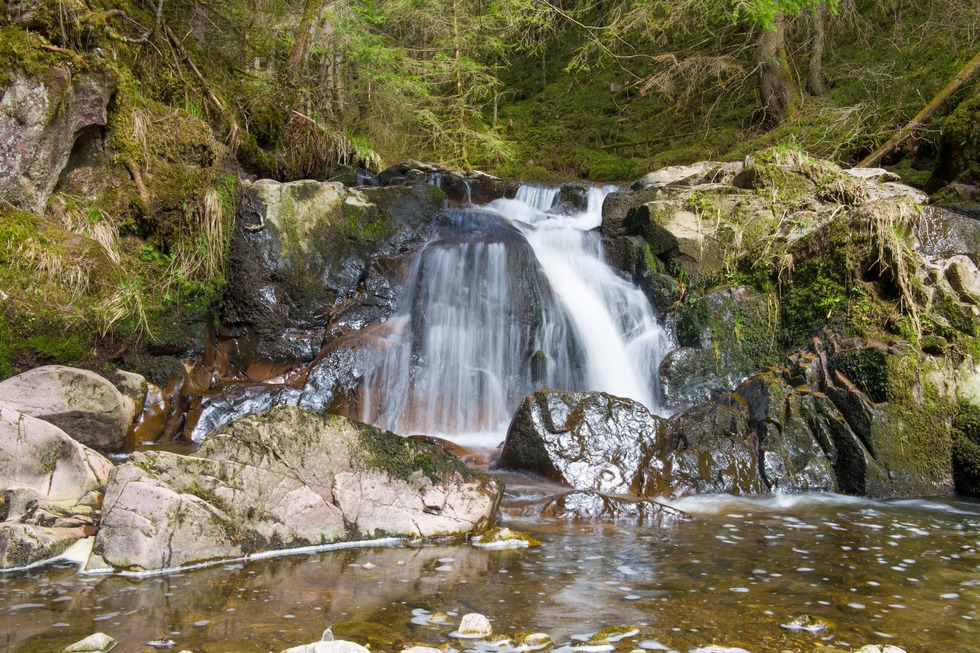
{"points": [[900, 572], [507, 298]]}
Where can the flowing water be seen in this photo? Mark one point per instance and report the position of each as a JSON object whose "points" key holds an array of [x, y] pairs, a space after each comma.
{"points": [[905, 573], [508, 298]]}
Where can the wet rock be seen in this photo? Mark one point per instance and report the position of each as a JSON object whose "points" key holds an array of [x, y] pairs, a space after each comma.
{"points": [[41, 117], [873, 648], [808, 623], [727, 465], [83, 404], [504, 538], [588, 506], [474, 625], [791, 459], [942, 233], [307, 252], [283, 479], [587, 440], [97, 643], [572, 198], [725, 336]]}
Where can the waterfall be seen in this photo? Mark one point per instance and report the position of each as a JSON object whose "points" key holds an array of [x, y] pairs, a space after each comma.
{"points": [[506, 299]]}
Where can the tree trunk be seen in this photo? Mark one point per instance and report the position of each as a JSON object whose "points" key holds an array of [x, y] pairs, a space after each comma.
{"points": [[965, 73], [775, 80], [814, 78], [311, 12]]}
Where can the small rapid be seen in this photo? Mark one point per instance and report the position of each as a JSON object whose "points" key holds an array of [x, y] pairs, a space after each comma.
{"points": [[508, 298]]}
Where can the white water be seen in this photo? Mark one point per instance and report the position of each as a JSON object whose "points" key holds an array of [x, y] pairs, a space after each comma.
{"points": [[508, 299]]}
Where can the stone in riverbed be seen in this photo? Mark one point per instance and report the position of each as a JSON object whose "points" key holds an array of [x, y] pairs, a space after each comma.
{"points": [[474, 625], [504, 538], [587, 440], [97, 643], [286, 478]]}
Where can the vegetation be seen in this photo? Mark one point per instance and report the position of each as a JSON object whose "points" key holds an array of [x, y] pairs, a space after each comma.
{"points": [[129, 249]]}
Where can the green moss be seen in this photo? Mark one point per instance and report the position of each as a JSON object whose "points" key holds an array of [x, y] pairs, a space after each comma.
{"points": [[403, 459], [23, 50]]}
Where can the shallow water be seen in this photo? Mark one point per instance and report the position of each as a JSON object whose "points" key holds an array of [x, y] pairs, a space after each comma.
{"points": [[904, 573]]}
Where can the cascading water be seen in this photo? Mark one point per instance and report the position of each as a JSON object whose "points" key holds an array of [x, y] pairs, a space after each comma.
{"points": [[510, 298]]}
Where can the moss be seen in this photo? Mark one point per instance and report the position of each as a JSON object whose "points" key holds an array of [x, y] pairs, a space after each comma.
{"points": [[403, 459], [867, 368], [23, 50]]}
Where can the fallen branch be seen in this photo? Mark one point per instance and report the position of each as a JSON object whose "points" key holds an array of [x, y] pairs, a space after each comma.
{"points": [[197, 73], [134, 171], [923, 115]]}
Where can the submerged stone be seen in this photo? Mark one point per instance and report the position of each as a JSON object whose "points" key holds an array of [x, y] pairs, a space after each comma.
{"points": [[808, 623], [504, 538]]}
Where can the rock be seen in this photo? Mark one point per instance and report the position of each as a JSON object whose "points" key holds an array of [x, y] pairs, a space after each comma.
{"points": [[26, 545], [83, 404], [504, 538], [584, 505], [945, 234], [733, 331], [334, 646], [887, 648], [51, 490], [40, 119], [97, 643], [808, 623], [587, 440], [286, 478], [132, 386], [695, 172], [873, 174], [964, 277], [474, 626], [307, 252]]}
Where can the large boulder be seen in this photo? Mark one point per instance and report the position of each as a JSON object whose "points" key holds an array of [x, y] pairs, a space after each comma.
{"points": [[40, 118], [283, 479], [51, 489], [83, 404], [586, 440], [310, 253]]}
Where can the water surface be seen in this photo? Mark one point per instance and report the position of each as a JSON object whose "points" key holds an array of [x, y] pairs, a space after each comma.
{"points": [[904, 573]]}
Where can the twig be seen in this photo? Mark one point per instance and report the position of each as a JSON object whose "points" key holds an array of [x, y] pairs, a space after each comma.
{"points": [[138, 180]]}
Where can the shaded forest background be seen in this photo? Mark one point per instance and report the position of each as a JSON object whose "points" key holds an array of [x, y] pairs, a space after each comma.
{"points": [[131, 244]]}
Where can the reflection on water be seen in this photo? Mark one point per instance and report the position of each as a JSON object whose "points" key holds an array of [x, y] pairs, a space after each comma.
{"points": [[904, 573]]}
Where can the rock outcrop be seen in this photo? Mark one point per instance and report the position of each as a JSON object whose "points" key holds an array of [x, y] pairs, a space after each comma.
{"points": [[51, 486], [310, 253], [39, 121], [284, 479], [839, 415]]}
